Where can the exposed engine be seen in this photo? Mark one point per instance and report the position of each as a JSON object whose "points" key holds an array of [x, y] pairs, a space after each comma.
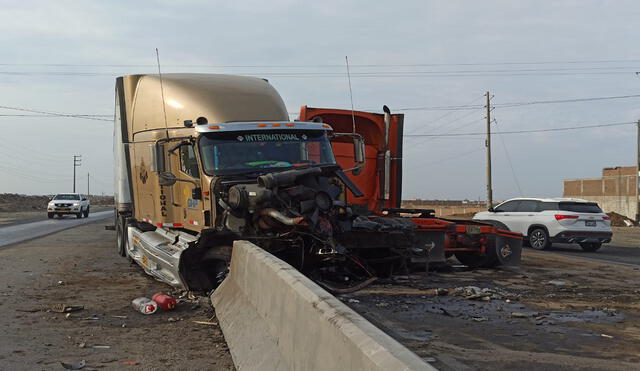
{"points": [[300, 215]]}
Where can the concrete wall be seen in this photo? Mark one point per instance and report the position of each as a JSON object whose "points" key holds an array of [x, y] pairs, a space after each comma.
{"points": [[275, 318], [615, 192]]}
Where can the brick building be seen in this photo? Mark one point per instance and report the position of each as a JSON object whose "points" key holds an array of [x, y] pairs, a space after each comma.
{"points": [[616, 191]]}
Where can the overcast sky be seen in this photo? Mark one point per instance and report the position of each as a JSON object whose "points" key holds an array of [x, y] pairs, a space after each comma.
{"points": [[63, 56]]}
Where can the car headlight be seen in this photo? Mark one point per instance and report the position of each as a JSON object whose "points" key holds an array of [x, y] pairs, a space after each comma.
{"points": [[51, 204], [76, 204]]}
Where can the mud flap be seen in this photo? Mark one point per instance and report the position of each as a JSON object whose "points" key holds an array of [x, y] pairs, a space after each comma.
{"points": [[507, 249], [433, 243]]}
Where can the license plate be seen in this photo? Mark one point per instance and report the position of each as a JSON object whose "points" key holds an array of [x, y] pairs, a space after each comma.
{"points": [[590, 223], [473, 229]]}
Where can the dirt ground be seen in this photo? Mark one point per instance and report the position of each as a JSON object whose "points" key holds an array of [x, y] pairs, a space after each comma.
{"points": [[551, 313], [80, 266]]}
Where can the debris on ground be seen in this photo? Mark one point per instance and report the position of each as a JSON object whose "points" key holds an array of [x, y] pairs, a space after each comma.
{"points": [[482, 294], [618, 220], [207, 323], [144, 305], [74, 366], [64, 308], [164, 301]]}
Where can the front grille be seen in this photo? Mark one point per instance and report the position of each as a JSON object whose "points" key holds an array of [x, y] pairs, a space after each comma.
{"points": [[64, 205]]}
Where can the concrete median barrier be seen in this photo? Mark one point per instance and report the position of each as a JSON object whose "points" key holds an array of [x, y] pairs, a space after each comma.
{"points": [[275, 318]]}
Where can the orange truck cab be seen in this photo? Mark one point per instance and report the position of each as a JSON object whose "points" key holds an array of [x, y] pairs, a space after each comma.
{"points": [[380, 180]]}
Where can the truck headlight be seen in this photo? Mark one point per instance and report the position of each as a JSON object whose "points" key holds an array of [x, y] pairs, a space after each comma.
{"points": [[51, 204]]}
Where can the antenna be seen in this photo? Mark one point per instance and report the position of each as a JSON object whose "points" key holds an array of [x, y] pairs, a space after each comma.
{"points": [[164, 108], [353, 115]]}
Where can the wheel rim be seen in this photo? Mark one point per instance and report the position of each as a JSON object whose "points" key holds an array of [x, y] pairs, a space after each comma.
{"points": [[537, 239]]}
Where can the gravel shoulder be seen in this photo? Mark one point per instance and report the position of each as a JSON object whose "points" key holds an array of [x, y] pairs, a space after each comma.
{"points": [[80, 266]]}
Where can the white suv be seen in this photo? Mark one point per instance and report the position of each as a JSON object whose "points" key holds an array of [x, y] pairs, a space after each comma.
{"points": [[544, 221], [68, 203]]}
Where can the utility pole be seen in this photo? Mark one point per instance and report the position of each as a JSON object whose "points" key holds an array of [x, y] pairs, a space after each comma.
{"points": [[637, 185], [77, 159], [88, 185], [488, 145]]}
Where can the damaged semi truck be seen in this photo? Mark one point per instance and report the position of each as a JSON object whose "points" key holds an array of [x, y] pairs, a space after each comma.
{"points": [[474, 244], [203, 160]]}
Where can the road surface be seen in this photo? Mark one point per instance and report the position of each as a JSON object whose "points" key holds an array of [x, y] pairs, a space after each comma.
{"points": [[607, 253], [16, 233], [80, 266]]}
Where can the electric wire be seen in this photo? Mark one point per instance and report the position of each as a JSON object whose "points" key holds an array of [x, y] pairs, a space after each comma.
{"points": [[73, 115], [528, 131], [513, 172]]}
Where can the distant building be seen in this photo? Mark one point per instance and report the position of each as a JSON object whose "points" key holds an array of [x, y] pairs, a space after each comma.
{"points": [[616, 191]]}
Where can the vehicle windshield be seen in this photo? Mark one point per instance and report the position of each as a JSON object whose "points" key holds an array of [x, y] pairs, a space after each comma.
{"points": [[244, 151], [67, 197], [580, 207]]}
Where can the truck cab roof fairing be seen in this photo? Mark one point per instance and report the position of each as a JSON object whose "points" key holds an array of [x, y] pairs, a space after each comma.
{"points": [[219, 98]]}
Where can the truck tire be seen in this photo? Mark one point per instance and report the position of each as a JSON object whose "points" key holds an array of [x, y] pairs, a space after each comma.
{"points": [[50, 215], [590, 246], [539, 239], [86, 212], [121, 235], [79, 214]]}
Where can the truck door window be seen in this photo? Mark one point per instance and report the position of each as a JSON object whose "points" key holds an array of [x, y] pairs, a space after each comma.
{"points": [[188, 162]]}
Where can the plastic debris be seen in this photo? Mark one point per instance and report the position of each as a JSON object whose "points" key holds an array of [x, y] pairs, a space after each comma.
{"points": [[206, 323], [74, 366], [144, 305], [355, 301]]}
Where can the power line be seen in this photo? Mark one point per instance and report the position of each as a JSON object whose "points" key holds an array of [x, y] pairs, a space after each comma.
{"points": [[448, 114], [526, 131], [514, 104], [513, 172], [598, 61], [73, 115]]}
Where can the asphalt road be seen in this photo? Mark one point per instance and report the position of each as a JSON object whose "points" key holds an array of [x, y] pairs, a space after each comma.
{"points": [[607, 253], [26, 231]]}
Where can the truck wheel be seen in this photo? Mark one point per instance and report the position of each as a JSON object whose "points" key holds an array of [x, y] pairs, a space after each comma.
{"points": [[50, 215], [79, 215], [539, 239], [590, 246], [121, 236], [86, 212]]}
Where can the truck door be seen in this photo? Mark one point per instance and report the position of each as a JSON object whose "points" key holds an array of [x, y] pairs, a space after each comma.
{"points": [[189, 205]]}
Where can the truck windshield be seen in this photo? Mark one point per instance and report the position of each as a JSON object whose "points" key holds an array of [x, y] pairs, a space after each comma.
{"points": [[242, 151]]}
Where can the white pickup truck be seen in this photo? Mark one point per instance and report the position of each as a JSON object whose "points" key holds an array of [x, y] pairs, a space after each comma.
{"points": [[68, 203]]}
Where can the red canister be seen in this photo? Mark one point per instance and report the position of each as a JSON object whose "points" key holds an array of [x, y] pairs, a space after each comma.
{"points": [[164, 301]]}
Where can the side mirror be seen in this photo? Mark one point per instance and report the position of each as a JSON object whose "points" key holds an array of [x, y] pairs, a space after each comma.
{"points": [[157, 158], [167, 179], [491, 209]]}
